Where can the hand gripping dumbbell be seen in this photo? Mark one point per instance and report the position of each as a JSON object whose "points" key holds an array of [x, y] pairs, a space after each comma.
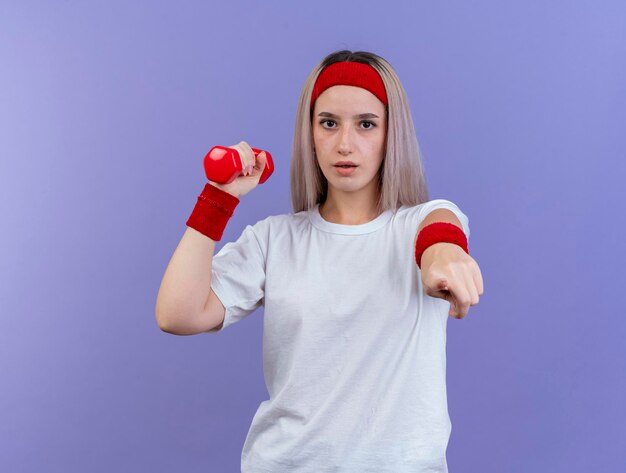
{"points": [[223, 165]]}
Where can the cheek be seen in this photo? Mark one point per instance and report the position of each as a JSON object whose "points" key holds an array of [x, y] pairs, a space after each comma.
{"points": [[378, 143], [382, 142], [319, 142], [316, 135]]}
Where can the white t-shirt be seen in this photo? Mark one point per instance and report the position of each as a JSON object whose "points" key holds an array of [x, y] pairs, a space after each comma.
{"points": [[354, 350]]}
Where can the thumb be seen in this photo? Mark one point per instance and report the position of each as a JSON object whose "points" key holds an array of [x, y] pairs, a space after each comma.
{"points": [[447, 295], [438, 289], [435, 281], [259, 165], [442, 285], [262, 160]]}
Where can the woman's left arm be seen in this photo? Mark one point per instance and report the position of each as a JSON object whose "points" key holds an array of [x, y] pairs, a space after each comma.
{"points": [[448, 272]]}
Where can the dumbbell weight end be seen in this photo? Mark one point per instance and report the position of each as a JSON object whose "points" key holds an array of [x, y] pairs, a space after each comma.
{"points": [[223, 165]]}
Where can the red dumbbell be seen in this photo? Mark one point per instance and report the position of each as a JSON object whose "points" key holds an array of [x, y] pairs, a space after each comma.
{"points": [[224, 165]]}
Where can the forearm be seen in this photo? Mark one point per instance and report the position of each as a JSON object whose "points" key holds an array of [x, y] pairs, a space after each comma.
{"points": [[437, 215]]}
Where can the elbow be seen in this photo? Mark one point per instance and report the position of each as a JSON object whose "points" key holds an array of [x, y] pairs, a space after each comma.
{"points": [[164, 319], [175, 324], [162, 323], [167, 327]]}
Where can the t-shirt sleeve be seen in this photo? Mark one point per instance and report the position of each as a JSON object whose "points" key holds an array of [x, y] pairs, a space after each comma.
{"points": [[429, 206], [238, 277]]}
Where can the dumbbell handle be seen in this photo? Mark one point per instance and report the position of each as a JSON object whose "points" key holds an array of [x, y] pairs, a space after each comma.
{"points": [[223, 165]]}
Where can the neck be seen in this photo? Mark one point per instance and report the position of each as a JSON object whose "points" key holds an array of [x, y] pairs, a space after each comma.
{"points": [[348, 211]]}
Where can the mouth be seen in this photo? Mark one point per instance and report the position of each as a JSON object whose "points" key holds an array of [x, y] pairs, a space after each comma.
{"points": [[346, 169]]}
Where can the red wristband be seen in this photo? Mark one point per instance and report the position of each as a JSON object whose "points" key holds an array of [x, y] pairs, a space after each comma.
{"points": [[438, 232], [212, 211]]}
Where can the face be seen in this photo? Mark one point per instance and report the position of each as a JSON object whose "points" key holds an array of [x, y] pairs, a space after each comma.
{"points": [[349, 124]]}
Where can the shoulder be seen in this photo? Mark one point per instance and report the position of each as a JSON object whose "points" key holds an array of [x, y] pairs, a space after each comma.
{"points": [[414, 215], [425, 207], [274, 225]]}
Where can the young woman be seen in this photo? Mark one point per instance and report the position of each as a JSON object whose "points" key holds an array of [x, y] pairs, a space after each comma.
{"points": [[357, 284]]}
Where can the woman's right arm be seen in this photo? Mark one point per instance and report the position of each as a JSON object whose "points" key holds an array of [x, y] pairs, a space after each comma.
{"points": [[186, 304]]}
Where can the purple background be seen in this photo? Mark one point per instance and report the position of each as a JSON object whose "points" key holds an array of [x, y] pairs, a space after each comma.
{"points": [[106, 111]]}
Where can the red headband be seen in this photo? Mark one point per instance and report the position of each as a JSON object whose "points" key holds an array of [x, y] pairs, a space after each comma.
{"points": [[350, 73]]}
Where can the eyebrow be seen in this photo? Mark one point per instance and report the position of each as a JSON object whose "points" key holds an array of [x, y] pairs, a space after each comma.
{"points": [[332, 115]]}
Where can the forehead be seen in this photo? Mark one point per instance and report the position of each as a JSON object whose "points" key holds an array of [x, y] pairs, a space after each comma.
{"points": [[348, 99]]}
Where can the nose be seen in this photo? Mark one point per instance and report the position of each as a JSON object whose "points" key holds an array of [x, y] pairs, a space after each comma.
{"points": [[345, 141]]}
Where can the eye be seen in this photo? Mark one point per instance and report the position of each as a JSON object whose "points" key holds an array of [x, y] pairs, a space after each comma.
{"points": [[369, 124]]}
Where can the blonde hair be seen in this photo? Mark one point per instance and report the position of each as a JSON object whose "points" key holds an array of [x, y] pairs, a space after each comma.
{"points": [[401, 176]]}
